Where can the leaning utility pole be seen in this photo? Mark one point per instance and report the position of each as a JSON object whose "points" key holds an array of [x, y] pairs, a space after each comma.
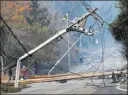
{"points": [[71, 27]]}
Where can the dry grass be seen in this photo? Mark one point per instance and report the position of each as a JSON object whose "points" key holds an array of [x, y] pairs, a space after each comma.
{"points": [[9, 87]]}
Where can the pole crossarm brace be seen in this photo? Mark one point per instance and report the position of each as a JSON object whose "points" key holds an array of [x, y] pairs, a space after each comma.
{"points": [[94, 14], [67, 29]]}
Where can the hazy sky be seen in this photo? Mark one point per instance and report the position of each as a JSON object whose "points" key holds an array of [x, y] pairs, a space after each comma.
{"points": [[108, 11]]}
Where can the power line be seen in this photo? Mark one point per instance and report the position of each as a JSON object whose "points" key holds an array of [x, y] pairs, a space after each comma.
{"points": [[46, 62], [17, 39], [90, 9], [63, 39], [4, 52], [102, 35], [48, 20], [102, 60], [106, 12], [89, 36], [63, 69], [14, 35], [94, 18], [60, 36], [78, 53]]}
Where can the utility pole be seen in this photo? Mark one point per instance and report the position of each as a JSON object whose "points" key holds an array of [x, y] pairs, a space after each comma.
{"points": [[67, 29], [2, 65], [66, 18], [67, 15]]}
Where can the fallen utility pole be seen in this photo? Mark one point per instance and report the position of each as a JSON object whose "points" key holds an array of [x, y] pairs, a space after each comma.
{"points": [[67, 29], [48, 78]]}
